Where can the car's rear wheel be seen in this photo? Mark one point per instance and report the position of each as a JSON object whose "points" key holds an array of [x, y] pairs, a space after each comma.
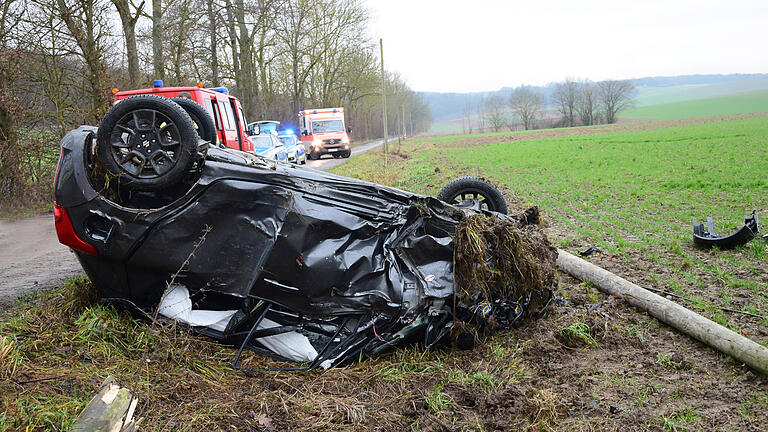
{"points": [[200, 117], [473, 192], [148, 141]]}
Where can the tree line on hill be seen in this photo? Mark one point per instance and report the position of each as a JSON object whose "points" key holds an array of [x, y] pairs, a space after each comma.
{"points": [[60, 58], [572, 103]]}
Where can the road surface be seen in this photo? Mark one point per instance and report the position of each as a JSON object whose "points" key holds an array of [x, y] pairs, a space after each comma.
{"points": [[31, 257], [327, 162]]}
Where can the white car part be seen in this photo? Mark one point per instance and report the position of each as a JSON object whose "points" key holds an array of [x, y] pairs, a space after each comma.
{"points": [[177, 305]]}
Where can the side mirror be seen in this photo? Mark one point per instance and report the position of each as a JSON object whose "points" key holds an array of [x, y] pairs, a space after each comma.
{"points": [[349, 129]]}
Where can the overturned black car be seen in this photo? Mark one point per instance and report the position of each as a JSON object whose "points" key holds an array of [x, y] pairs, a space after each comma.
{"points": [[294, 263]]}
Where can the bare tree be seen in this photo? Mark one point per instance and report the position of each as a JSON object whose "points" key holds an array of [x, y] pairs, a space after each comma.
{"points": [[615, 95], [10, 18], [564, 97], [587, 101], [468, 117], [494, 112], [481, 114], [86, 22], [128, 20], [526, 104]]}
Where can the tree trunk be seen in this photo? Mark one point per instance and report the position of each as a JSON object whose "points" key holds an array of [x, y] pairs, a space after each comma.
{"points": [[245, 78], [157, 39], [214, 50], [232, 38], [129, 31]]}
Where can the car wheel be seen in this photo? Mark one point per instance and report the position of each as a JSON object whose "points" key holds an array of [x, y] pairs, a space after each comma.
{"points": [[149, 141], [347, 154], [473, 192], [200, 117]]}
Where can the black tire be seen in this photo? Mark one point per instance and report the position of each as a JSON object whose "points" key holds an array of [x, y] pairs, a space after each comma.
{"points": [[348, 154], [475, 189], [200, 117], [148, 141]]}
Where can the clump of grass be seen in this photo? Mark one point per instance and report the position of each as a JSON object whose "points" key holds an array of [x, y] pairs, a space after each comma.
{"points": [[681, 420], [667, 361], [579, 332], [498, 260], [541, 405], [437, 400], [10, 358]]}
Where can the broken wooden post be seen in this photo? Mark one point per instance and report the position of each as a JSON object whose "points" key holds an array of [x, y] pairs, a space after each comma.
{"points": [[669, 312], [111, 410]]}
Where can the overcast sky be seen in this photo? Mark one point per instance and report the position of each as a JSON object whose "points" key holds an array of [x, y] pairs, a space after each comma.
{"points": [[482, 45]]}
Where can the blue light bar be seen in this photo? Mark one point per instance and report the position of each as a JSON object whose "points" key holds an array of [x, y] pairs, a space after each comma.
{"points": [[314, 112], [289, 131], [220, 89], [158, 83]]}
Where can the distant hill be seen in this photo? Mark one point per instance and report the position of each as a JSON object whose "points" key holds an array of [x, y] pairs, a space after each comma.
{"points": [[447, 107]]}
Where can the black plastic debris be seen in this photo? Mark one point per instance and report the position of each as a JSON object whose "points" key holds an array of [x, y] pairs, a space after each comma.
{"points": [[589, 251], [705, 236]]}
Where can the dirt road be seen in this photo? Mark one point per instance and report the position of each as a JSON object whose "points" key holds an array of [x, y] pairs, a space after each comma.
{"points": [[31, 257]]}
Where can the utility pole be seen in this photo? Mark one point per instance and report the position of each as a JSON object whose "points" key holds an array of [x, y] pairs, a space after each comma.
{"points": [[405, 135], [384, 103]]}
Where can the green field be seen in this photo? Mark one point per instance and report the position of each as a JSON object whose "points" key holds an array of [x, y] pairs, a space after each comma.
{"points": [[669, 94], [444, 127], [718, 106]]}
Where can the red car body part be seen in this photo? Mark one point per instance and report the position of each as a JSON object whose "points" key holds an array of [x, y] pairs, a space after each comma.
{"points": [[225, 110], [66, 232]]}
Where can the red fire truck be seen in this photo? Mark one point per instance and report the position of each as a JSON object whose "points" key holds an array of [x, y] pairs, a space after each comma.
{"points": [[225, 110], [323, 132]]}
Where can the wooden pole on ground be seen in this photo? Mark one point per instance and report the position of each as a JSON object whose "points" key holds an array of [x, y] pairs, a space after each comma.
{"points": [[669, 312]]}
